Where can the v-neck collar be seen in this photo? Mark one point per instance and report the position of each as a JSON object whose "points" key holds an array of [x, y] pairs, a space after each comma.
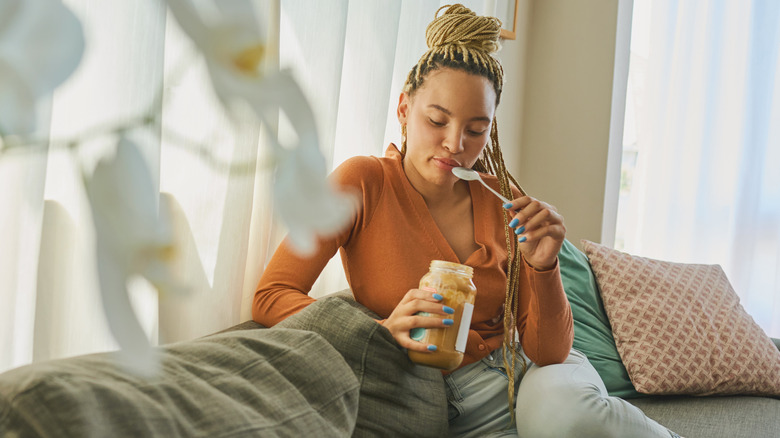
{"points": [[429, 224]]}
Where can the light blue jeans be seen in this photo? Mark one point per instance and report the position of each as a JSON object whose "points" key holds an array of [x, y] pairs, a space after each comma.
{"points": [[564, 400]]}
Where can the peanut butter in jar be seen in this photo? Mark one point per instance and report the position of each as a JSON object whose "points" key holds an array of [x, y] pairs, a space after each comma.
{"points": [[453, 282]]}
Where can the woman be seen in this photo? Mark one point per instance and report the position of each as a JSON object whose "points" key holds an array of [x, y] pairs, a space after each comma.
{"points": [[415, 210]]}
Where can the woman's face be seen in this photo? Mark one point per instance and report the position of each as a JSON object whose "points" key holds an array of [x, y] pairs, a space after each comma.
{"points": [[448, 123]]}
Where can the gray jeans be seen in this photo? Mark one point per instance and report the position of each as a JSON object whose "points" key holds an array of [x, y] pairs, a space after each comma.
{"points": [[564, 400]]}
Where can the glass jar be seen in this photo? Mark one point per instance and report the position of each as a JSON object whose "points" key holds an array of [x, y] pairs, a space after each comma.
{"points": [[453, 282]]}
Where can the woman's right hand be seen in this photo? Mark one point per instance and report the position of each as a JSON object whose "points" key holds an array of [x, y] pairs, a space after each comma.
{"points": [[404, 317]]}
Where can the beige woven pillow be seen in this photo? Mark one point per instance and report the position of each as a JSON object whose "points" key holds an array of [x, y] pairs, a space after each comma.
{"points": [[679, 328]]}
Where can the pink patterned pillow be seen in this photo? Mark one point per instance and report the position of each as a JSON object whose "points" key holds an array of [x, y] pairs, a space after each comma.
{"points": [[679, 328]]}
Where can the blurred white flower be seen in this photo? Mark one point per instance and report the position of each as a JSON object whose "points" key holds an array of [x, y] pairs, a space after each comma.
{"points": [[41, 44], [233, 38], [131, 239], [303, 197], [306, 202], [232, 35]]}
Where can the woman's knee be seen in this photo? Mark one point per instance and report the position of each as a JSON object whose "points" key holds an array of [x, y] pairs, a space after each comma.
{"points": [[561, 412], [553, 401]]}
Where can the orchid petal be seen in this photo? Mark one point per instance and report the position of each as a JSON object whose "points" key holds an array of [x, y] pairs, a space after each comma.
{"points": [[165, 268], [41, 44], [232, 35], [190, 21], [306, 202], [301, 186], [135, 353], [280, 90], [43, 39], [222, 30], [17, 102], [131, 239], [245, 19], [123, 192]]}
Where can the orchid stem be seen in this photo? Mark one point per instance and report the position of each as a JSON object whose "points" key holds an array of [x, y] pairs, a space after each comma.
{"points": [[73, 143], [149, 119], [177, 140], [203, 150]]}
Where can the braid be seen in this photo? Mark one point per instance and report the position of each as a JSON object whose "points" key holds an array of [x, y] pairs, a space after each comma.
{"points": [[461, 40], [492, 162]]}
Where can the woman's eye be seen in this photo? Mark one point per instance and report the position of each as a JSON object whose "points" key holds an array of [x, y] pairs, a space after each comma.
{"points": [[476, 133], [435, 123]]}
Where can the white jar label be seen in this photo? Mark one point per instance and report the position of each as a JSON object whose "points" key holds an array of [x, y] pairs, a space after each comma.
{"points": [[463, 329]]}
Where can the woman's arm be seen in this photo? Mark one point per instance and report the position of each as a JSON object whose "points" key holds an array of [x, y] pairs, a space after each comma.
{"points": [[286, 281], [544, 316]]}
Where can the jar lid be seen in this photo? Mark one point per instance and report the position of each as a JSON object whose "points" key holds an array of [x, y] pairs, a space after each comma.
{"points": [[441, 264]]}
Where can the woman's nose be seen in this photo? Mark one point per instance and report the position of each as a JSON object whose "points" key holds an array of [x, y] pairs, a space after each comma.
{"points": [[453, 142]]}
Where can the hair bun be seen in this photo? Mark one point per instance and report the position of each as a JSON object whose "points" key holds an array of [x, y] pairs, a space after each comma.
{"points": [[460, 26]]}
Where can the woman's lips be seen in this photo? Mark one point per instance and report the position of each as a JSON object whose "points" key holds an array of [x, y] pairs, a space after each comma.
{"points": [[445, 163]]}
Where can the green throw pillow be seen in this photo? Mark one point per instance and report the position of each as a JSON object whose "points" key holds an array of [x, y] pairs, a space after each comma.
{"points": [[592, 332]]}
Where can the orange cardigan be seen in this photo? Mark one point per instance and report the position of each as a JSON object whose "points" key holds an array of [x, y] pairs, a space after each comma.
{"points": [[389, 247]]}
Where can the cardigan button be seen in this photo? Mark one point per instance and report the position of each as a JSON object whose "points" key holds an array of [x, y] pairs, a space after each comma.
{"points": [[482, 347]]}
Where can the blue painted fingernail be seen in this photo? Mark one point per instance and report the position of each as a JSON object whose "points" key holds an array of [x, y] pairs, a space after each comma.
{"points": [[514, 223], [437, 297], [521, 239], [448, 309], [431, 348], [520, 230], [508, 205], [448, 321]]}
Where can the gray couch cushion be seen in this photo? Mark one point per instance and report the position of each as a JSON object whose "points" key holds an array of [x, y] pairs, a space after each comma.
{"points": [[715, 417], [280, 383], [397, 397]]}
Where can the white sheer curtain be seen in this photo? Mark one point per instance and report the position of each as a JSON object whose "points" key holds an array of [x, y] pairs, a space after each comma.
{"points": [[50, 302], [350, 57], [706, 97]]}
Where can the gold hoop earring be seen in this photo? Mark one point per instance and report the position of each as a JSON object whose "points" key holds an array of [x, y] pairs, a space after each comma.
{"points": [[403, 140]]}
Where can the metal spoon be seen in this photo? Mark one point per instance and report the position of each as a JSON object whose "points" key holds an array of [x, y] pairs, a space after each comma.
{"points": [[472, 175]]}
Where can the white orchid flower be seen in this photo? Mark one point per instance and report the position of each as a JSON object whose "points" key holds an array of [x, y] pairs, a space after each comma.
{"points": [[306, 202], [232, 35], [41, 44], [233, 38], [131, 239], [303, 197]]}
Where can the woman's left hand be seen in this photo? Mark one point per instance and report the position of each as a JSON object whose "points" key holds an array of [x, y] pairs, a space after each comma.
{"points": [[540, 231]]}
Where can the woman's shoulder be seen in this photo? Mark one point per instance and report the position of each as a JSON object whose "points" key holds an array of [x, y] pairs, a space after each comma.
{"points": [[359, 164], [364, 169], [359, 170], [365, 176]]}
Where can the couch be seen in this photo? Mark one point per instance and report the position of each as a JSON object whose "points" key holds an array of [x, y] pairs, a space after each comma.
{"points": [[305, 378], [696, 417], [689, 416]]}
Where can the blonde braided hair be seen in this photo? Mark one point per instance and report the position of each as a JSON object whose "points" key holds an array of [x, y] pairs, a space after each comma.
{"points": [[462, 40]]}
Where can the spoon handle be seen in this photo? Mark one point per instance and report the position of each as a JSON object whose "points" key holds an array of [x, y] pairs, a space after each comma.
{"points": [[500, 196]]}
